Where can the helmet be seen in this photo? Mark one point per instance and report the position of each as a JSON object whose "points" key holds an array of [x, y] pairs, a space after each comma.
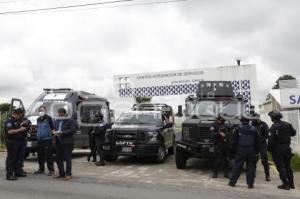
{"points": [[275, 115]]}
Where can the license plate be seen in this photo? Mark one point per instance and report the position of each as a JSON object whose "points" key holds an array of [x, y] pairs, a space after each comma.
{"points": [[126, 149], [124, 143], [211, 150], [29, 144]]}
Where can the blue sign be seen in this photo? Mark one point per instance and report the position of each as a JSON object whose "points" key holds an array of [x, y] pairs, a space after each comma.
{"points": [[294, 99]]}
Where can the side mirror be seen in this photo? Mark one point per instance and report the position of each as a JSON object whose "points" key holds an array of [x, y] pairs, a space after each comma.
{"points": [[179, 113]]}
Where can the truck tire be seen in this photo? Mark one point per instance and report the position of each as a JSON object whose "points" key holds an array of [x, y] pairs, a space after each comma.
{"points": [[181, 158], [110, 158]]}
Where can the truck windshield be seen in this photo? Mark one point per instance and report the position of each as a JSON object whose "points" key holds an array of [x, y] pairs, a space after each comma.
{"points": [[51, 107], [140, 118], [212, 108]]}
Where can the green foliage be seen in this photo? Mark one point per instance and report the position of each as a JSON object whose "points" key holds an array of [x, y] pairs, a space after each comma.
{"points": [[4, 107], [296, 163], [284, 77], [3, 117]]}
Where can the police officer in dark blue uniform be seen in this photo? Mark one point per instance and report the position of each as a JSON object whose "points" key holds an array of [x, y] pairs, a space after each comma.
{"points": [[263, 135], [99, 133], [245, 146], [15, 137], [279, 145], [220, 132]]}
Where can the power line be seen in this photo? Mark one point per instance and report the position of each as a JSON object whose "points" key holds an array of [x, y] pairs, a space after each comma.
{"points": [[128, 5], [69, 7], [63, 7]]}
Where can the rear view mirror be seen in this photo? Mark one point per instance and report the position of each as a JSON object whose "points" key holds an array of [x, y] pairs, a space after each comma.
{"points": [[16, 104], [179, 113]]}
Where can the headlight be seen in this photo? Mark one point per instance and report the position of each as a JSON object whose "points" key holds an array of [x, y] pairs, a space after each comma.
{"points": [[152, 136], [186, 133]]}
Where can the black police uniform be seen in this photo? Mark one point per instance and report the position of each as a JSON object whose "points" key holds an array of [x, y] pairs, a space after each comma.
{"points": [[21, 173], [263, 135], [245, 146], [99, 133], [279, 144], [15, 147], [93, 148], [222, 148]]}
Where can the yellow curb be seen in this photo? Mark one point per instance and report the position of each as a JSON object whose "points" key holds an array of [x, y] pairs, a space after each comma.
{"points": [[275, 169]]}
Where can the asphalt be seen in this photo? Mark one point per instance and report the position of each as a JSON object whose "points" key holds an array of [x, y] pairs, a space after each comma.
{"points": [[137, 178]]}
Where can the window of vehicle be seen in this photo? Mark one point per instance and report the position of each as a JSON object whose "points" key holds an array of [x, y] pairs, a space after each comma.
{"points": [[152, 118]]}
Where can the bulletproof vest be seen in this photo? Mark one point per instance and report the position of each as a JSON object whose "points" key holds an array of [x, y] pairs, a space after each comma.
{"points": [[247, 136], [283, 134]]}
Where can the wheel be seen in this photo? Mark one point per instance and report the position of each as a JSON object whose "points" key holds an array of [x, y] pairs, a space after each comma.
{"points": [[110, 158], [181, 158], [172, 148], [161, 155]]}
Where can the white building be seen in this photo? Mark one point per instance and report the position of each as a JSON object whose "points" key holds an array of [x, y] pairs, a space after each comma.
{"points": [[287, 100]]}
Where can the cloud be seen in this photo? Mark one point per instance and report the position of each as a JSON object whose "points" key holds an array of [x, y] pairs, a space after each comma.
{"points": [[84, 49]]}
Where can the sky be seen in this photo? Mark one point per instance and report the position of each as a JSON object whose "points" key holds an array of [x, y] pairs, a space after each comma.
{"points": [[84, 48]]}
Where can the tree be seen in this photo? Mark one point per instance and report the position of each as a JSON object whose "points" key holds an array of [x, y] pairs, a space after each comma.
{"points": [[140, 100], [4, 107], [284, 77]]}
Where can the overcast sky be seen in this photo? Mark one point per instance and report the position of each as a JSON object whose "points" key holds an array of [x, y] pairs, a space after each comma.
{"points": [[84, 48]]}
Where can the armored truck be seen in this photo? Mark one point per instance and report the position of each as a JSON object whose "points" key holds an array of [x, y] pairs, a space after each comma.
{"points": [[213, 99]]}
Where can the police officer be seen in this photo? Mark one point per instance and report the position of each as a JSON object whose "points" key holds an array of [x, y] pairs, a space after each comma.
{"points": [[220, 132], [279, 145], [99, 133], [15, 137], [245, 146], [263, 135], [92, 142]]}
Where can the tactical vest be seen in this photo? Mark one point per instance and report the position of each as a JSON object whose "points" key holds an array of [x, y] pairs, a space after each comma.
{"points": [[247, 136], [283, 134]]}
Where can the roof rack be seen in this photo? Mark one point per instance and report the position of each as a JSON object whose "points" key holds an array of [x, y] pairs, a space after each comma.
{"points": [[57, 90], [152, 107], [215, 89]]}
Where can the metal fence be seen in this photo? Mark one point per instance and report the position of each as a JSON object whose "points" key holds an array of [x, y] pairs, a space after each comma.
{"points": [[3, 117]]}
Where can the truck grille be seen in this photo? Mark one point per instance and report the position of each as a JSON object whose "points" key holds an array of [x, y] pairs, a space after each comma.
{"points": [[126, 136]]}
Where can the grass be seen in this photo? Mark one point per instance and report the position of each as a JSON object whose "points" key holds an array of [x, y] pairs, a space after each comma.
{"points": [[296, 163], [2, 147]]}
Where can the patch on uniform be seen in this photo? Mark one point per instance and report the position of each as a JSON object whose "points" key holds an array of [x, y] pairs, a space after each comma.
{"points": [[9, 124], [212, 128]]}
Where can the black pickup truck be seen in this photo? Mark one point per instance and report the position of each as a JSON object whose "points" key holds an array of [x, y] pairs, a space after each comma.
{"points": [[146, 131]]}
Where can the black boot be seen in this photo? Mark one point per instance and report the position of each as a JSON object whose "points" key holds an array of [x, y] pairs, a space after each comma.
{"points": [[268, 179], [231, 184], [100, 163], [11, 178], [94, 159], [284, 187], [89, 158]]}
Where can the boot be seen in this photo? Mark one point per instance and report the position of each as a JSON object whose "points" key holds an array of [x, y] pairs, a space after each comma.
{"points": [[100, 163], [284, 187], [89, 158], [268, 179], [11, 178], [231, 184], [215, 175], [94, 159]]}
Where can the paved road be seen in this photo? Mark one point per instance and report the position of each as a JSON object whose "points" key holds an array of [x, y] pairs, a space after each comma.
{"points": [[136, 178]]}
